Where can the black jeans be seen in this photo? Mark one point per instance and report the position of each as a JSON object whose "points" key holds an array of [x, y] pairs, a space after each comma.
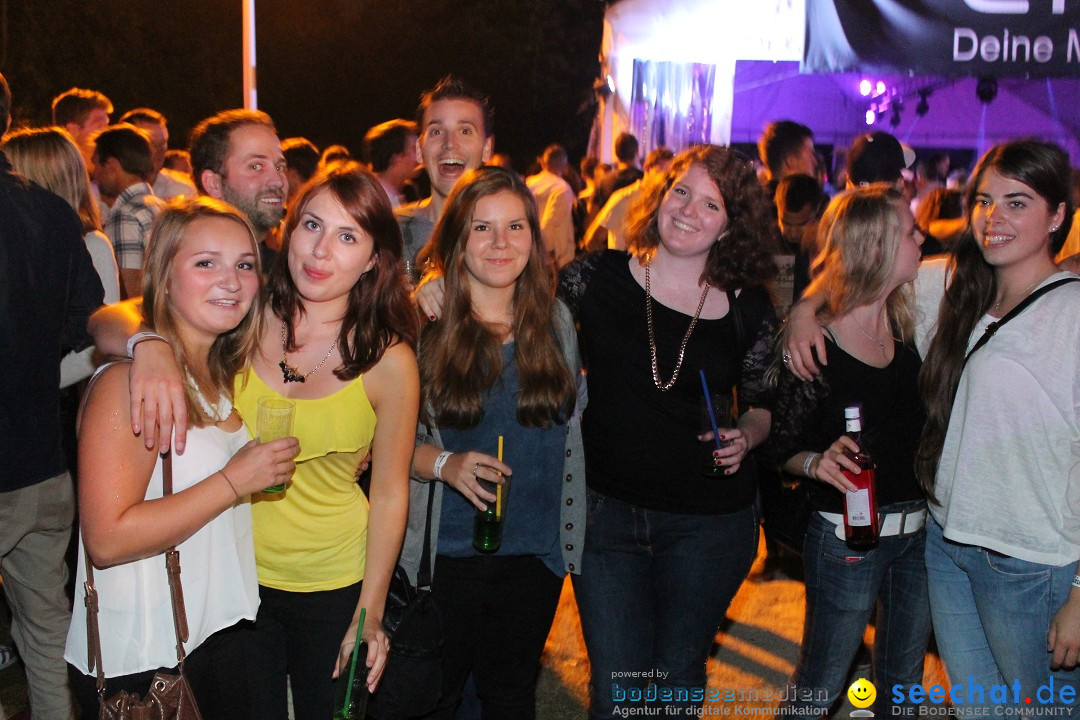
{"points": [[497, 612], [215, 671], [297, 636]]}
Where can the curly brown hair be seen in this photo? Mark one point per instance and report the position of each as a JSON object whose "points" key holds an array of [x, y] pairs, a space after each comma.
{"points": [[743, 257]]}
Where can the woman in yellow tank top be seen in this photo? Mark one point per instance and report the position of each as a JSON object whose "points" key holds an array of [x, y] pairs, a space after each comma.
{"points": [[338, 339]]}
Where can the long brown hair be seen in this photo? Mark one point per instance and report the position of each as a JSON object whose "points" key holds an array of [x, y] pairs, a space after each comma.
{"points": [[379, 311], [1044, 168], [460, 356], [859, 236], [743, 257], [231, 350]]}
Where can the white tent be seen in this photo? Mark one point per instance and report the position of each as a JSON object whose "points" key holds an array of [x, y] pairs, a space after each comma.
{"points": [[713, 32], [748, 95]]}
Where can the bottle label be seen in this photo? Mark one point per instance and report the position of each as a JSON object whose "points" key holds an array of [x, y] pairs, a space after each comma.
{"points": [[857, 508], [853, 425]]}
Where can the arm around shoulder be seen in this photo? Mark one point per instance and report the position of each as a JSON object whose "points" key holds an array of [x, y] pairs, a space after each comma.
{"points": [[115, 468]]}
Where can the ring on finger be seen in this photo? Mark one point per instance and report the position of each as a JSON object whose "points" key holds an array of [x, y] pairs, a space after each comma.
{"points": [[786, 358], [476, 467]]}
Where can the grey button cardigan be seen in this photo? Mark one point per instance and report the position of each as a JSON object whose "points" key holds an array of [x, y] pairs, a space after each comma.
{"points": [[572, 519]]}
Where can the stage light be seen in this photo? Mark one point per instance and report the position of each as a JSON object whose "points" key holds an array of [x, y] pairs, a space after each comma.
{"points": [[871, 116], [986, 89], [865, 87], [880, 88], [924, 106]]}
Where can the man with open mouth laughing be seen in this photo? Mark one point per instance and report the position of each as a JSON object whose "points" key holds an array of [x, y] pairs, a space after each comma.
{"points": [[456, 135]]}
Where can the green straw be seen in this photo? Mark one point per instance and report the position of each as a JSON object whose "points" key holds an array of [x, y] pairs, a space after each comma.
{"points": [[352, 665]]}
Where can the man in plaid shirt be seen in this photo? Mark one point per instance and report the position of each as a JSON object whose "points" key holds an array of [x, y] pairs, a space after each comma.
{"points": [[121, 165]]}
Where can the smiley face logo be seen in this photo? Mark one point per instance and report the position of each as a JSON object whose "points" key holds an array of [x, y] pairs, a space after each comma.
{"points": [[862, 693]]}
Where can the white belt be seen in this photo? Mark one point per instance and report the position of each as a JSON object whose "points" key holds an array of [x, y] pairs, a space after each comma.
{"points": [[899, 524]]}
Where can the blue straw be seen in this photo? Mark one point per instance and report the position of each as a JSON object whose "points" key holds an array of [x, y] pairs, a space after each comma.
{"points": [[709, 407]]}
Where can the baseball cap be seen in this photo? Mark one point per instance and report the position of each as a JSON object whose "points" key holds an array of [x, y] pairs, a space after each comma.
{"points": [[877, 157]]}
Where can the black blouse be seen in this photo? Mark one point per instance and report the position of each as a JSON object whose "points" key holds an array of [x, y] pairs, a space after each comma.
{"points": [[641, 444], [810, 416]]}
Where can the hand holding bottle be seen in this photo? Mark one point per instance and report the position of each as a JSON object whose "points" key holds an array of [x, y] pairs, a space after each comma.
{"points": [[830, 467]]}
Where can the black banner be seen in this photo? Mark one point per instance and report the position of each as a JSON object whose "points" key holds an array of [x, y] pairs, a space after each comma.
{"points": [[944, 37]]}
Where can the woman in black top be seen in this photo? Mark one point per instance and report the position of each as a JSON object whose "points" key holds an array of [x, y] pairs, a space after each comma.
{"points": [[667, 545], [870, 254]]}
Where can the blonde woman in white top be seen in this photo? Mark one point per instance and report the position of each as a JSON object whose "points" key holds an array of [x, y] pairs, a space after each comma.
{"points": [[49, 157], [200, 292]]}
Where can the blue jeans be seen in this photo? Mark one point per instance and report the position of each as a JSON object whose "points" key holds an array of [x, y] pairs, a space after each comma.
{"points": [[654, 588], [843, 588], [991, 615]]}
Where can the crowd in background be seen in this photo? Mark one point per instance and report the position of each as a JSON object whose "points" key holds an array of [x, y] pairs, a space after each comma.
{"points": [[424, 305]]}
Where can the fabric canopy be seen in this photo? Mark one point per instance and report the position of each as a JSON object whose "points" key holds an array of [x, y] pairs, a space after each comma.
{"points": [[944, 37], [753, 51]]}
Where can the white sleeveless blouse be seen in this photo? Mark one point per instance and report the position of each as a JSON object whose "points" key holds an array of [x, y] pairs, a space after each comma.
{"points": [[217, 572]]}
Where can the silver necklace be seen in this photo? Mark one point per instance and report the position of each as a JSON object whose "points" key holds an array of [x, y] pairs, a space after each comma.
{"points": [[291, 374], [662, 386], [1023, 293], [879, 343]]}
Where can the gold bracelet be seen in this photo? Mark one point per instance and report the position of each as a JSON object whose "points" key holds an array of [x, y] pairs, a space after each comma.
{"points": [[231, 486]]}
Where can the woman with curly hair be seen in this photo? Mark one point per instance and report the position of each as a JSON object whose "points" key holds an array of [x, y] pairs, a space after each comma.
{"points": [[502, 364], [667, 546]]}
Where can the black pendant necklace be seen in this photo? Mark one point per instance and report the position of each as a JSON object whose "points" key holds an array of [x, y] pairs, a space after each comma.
{"points": [[290, 374]]}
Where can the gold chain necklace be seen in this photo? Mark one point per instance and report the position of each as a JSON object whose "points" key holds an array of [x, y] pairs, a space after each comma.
{"points": [[662, 386], [291, 374]]}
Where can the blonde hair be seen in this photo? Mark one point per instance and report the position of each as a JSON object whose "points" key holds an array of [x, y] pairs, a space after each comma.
{"points": [[859, 236], [50, 157], [231, 350]]}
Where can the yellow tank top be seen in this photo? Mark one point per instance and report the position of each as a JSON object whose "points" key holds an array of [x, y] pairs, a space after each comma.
{"points": [[314, 536]]}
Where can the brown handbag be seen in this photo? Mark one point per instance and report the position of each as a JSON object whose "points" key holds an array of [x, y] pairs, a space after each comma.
{"points": [[170, 696]]}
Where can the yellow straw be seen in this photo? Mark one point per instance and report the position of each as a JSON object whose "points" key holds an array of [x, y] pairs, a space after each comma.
{"points": [[498, 488]]}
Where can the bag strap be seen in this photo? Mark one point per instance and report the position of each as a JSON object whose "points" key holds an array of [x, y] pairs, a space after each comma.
{"points": [[93, 637], [172, 568], [423, 575], [1023, 305]]}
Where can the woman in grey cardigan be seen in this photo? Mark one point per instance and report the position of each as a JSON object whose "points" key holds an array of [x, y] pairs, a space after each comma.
{"points": [[500, 381]]}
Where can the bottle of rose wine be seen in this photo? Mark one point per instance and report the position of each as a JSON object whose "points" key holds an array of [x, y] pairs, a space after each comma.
{"points": [[861, 524]]}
